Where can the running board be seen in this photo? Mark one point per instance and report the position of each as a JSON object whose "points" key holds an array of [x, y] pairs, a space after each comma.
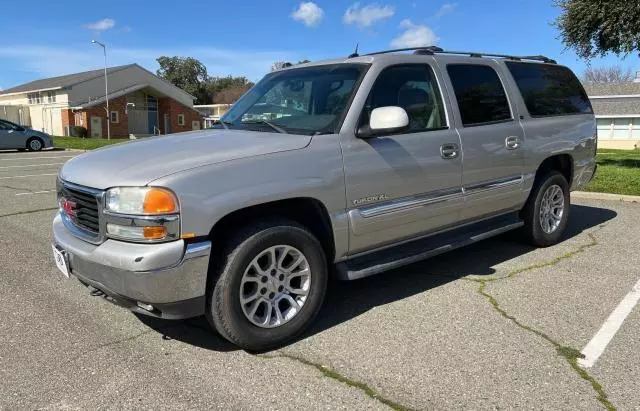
{"points": [[408, 253]]}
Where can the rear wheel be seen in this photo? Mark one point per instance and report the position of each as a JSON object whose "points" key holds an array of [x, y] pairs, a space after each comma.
{"points": [[269, 287], [35, 144], [547, 210]]}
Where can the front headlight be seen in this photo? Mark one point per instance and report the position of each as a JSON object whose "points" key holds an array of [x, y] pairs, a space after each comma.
{"points": [[141, 201], [142, 214]]}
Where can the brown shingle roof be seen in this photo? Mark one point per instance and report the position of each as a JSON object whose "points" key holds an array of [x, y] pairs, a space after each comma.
{"points": [[61, 81]]}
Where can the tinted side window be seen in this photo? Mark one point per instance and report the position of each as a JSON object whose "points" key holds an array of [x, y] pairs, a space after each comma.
{"points": [[549, 90], [481, 97], [412, 87]]}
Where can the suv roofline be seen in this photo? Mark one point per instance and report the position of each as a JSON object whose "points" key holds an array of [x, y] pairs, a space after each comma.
{"points": [[369, 58]]}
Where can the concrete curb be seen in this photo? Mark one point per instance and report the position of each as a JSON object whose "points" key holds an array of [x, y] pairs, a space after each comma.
{"points": [[605, 196]]}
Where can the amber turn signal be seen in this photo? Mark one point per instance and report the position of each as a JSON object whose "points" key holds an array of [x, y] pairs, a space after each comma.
{"points": [[154, 233], [159, 201]]}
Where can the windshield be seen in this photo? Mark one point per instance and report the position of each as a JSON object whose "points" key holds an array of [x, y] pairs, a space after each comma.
{"points": [[309, 100]]}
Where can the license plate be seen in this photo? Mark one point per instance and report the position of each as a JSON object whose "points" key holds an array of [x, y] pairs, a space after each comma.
{"points": [[61, 261]]}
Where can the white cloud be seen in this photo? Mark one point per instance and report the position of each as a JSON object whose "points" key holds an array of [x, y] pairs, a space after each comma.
{"points": [[308, 13], [368, 15], [414, 35], [445, 9], [101, 25]]}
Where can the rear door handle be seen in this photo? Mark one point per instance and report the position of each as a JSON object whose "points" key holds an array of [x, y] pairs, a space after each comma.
{"points": [[449, 151], [512, 142]]}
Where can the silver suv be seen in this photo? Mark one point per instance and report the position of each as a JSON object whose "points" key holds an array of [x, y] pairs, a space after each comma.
{"points": [[348, 167]]}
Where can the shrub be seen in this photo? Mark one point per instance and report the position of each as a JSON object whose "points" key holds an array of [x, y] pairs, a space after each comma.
{"points": [[77, 131]]}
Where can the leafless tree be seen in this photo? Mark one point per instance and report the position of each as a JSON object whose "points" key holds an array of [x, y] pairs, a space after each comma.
{"points": [[602, 75]]}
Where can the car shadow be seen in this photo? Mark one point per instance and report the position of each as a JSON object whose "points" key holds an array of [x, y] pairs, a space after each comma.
{"points": [[350, 299]]}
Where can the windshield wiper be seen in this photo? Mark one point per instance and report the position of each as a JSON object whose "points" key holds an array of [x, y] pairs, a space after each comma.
{"points": [[225, 124], [270, 124]]}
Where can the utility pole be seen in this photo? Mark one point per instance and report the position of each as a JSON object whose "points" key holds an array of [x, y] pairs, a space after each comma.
{"points": [[106, 87]]}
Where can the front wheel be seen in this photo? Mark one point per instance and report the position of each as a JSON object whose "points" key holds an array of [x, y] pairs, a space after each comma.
{"points": [[547, 210], [35, 144], [269, 287]]}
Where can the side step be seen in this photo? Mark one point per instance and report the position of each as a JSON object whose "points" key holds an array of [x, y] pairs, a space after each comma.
{"points": [[408, 253]]}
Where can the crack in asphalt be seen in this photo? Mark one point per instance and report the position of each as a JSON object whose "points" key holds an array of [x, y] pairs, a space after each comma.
{"points": [[329, 373], [28, 212], [570, 354], [16, 188]]}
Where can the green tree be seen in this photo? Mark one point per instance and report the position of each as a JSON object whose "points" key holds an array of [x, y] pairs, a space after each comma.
{"points": [[597, 27], [186, 73]]}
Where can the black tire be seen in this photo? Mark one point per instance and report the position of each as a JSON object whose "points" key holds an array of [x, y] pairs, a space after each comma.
{"points": [[224, 310], [533, 231], [35, 148]]}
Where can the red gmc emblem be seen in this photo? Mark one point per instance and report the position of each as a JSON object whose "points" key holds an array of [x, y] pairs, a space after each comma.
{"points": [[68, 206]]}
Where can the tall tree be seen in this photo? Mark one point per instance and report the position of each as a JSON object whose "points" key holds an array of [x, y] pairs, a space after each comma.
{"points": [[602, 75], [597, 27], [187, 73], [226, 90]]}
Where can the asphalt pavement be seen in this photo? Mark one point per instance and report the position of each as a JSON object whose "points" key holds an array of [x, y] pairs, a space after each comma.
{"points": [[498, 325]]}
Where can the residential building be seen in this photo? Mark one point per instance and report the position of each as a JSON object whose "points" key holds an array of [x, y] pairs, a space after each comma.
{"points": [[617, 109], [140, 103], [212, 112]]}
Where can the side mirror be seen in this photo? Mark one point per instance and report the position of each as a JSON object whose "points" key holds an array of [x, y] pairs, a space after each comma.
{"points": [[385, 120]]}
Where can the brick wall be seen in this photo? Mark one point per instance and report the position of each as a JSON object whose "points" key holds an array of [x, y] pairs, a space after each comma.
{"points": [[170, 108], [119, 129]]}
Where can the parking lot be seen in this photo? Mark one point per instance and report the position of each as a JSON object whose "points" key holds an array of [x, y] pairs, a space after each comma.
{"points": [[497, 325]]}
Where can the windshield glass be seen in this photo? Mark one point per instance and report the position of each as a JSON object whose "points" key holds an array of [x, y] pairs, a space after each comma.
{"points": [[309, 100]]}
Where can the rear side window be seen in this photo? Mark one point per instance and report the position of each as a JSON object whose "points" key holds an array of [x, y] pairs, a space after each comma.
{"points": [[549, 90], [481, 97]]}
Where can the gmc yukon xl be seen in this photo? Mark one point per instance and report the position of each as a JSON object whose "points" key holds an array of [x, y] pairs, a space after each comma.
{"points": [[347, 167]]}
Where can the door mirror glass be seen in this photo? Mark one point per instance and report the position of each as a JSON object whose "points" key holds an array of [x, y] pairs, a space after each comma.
{"points": [[385, 120]]}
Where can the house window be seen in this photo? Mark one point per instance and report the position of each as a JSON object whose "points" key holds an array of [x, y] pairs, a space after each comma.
{"points": [[181, 119], [51, 97], [34, 98], [115, 118]]}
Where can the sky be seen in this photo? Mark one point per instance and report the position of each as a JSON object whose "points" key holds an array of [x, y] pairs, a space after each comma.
{"points": [[245, 37]]}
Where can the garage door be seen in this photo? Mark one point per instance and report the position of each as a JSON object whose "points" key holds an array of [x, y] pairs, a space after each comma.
{"points": [[627, 128]]}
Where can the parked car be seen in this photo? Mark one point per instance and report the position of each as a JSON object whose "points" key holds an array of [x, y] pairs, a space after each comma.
{"points": [[14, 136], [382, 160]]}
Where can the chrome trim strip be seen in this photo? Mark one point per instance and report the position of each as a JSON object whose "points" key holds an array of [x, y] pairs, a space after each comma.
{"points": [[408, 203], [493, 184], [195, 250]]}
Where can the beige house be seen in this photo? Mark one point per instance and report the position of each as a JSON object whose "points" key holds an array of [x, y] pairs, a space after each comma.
{"points": [[140, 103], [617, 109], [212, 112]]}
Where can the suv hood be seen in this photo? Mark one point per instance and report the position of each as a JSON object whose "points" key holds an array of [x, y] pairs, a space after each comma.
{"points": [[139, 162]]}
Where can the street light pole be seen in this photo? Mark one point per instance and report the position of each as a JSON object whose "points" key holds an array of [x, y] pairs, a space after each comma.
{"points": [[106, 87]]}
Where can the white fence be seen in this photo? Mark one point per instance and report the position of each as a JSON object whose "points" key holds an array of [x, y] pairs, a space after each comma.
{"points": [[16, 114]]}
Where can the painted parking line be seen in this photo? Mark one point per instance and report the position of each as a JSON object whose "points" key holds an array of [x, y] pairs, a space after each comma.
{"points": [[27, 176], [32, 165], [31, 158], [594, 349], [35, 192]]}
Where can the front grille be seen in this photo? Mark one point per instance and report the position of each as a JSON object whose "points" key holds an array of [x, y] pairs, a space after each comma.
{"points": [[85, 211]]}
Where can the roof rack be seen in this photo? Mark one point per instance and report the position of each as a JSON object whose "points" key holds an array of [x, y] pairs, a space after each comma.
{"points": [[433, 50]]}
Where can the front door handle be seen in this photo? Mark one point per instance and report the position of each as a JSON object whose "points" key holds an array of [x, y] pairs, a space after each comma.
{"points": [[449, 151], [512, 142]]}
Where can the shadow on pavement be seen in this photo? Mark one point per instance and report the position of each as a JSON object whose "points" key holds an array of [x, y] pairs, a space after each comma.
{"points": [[349, 299]]}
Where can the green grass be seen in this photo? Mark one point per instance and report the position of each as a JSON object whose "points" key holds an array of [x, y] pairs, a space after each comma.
{"points": [[84, 143], [618, 172]]}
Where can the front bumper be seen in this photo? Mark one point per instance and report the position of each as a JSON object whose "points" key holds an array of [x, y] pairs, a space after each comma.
{"points": [[171, 277]]}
